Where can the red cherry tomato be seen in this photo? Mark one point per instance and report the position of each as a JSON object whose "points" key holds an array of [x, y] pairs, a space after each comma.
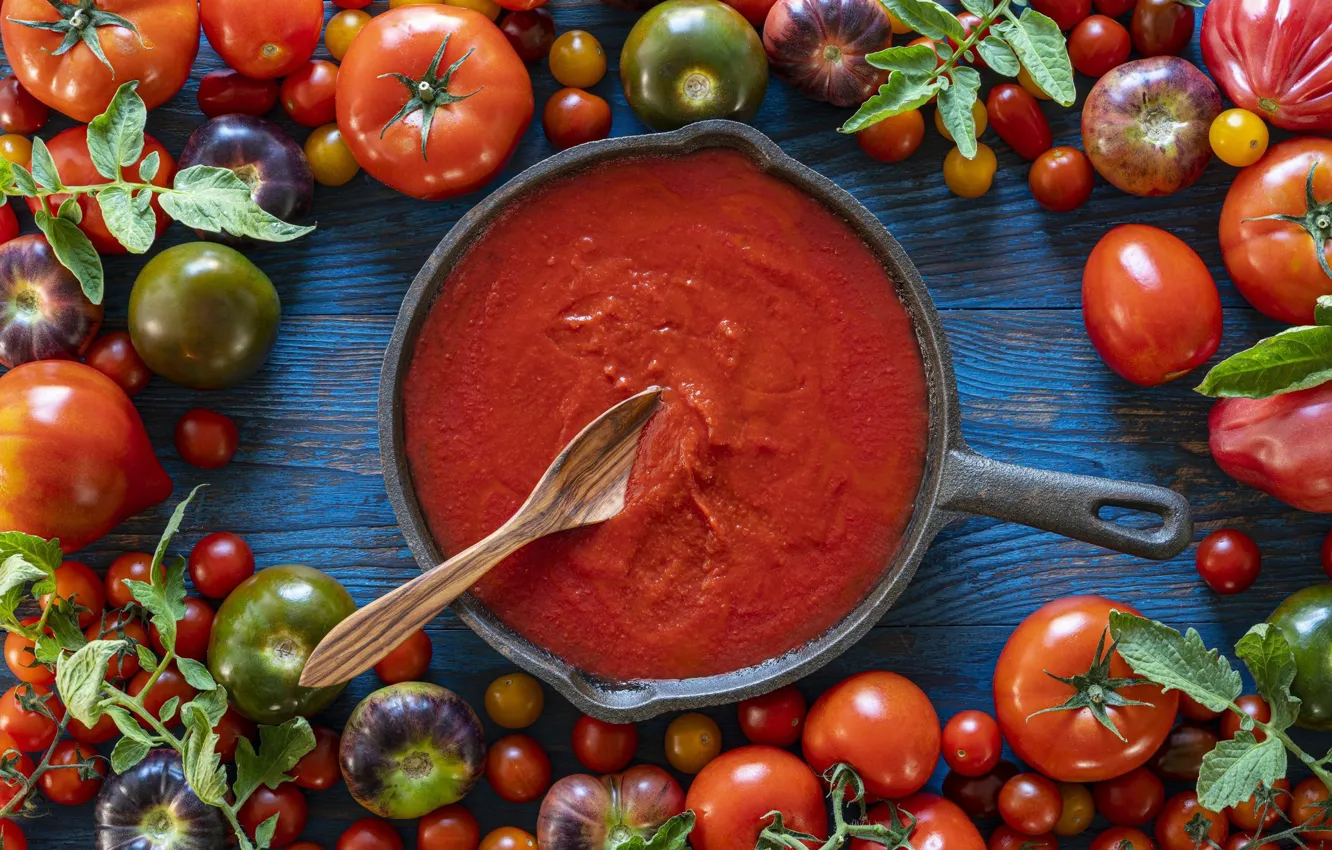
{"points": [[99, 733], [219, 563], [1179, 810], [20, 112], [1066, 13], [979, 795], [893, 139], [192, 631], [32, 731], [775, 719], [206, 439], [113, 355], [1016, 116], [61, 783], [169, 684], [1228, 560], [1130, 800], [318, 770], [1030, 803], [1006, 837], [939, 824], [230, 729], [1099, 44], [13, 788], [1123, 838], [9, 226], [286, 801], [370, 834], [228, 92], [309, 94], [1062, 179], [972, 743], [408, 661], [78, 583], [573, 116], [1307, 806], [11, 837], [969, 22], [531, 33], [604, 747], [1114, 8], [1252, 705], [1161, 27], [134, 566], [448, 828], [1246, 815], [518, 768], [120, 625], [21, 659]]}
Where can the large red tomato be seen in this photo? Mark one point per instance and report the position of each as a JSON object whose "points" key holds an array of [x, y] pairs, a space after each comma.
{"points": [[70, 152], [80, 84], [940, 825], [1270, 56], [1062, 640], [479, 93], [1275, 263], [733, 795], [882, 725], [263, 39]]}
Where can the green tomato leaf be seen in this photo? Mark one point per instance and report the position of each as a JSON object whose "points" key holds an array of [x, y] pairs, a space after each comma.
{"points": [[132, 227], [1267, 654], [115, 138], [168, 709], [955, 105], [40, 553], [999, 56], [927, 18], [978, 7], [147, 660], [196, 674], [1232, 771], [1323, 310], [263, 835], [1197, 4], [79, 679], [164, 598], [152, 163], [900, 94], [24, 184], [1039, 45], [1295, 359], [127, 753], [43, 166], [129, 727], [280, 747], [215, 199], [70, 210], [1171, 660], [75, 252], [16, 573], [918, 61], [203, 765], [673, 834], [212, 703], [7, 186], [63, 621]]}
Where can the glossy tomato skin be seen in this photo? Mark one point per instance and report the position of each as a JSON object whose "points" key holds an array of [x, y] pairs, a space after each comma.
{"points": [[1062, 179], [732, 795], [1133, 799], [1254, 706], [113, 355], [1273, 263], [972, 743], [471, 140], [1071, 746], [63, 785], [881, 724], [1179, 759], [1245, 815], [230, 729], [1150, 305], [940, 825], [219, 563], [531, 33], [515, 700], [286, 801], [318, 769], [604, 747], [1306, 806], [370, 834], [1017, 118], [820, 48], [1228, 560], [119, 625], [1099, 44], [1030, 803], [1305, 618], [44, 314], [31, 731], [978, 796], [451, 827], [137, 805], [76, 582], [206, 439], [22, 660], [1161, 27], [1266, 443], [77, 83], [20, 112], [1066, 13], [9, 227], [895, 138], [1178, 811], [170, 684], [261, 39], [518, 768], [229, 92], [131, 566], [585, 813], [573, 116], [692, 740], [775, 719], [192, 630], [9, 789], [1006, 837], [309, 93], [1123, 838]]}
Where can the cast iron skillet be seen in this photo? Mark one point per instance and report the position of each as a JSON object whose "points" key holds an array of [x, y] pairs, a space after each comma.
{"points": [[956, 481]]}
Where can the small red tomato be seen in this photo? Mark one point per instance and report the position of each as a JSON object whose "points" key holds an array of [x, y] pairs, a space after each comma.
{"points": [[1179, 758], [1228, 560], [521, 5], [230, 729], [219, 563], [9, 226], [1114, 8], [11, 837], [939, 823], [448, 828], [1099, 44], [531, 33], [61, 783], [318, 769], [1308, 806], [1263, 811], [972, 743], [518, 768], [1006, 837], [113, 355], [169, 684], [351, 4], [1130, 800], [370, 834], [309, 94], [1062, 179], [286, 801], [1161, 27], [1326, 554], [1030, 803], [78, 583], [14, 787], [1017, 117], [1171, 826], [893, 139], [1123, 838], [604, 747], [206, 439], [979, 795], [119, 625], [32, 730], [99, 733], [775, 719], [228, 92], [21, 659], [408, 661], [135, 566], [1252, 705], [969, 22], [192, 631], [1066, 13], [20, 112], [1244, 841], [1194, 710], [573, 116]]}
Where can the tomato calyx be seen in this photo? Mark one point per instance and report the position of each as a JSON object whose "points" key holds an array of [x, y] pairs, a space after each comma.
{"points": [[847, 789], [428, 93], [1097, 690], [79, 23], [1316, 221]]}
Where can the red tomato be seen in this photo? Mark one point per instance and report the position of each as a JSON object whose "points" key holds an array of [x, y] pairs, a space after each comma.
{"points": [[61, 783], [120, 625], [370, 834], [230, 729], [1307, 807], [1062, 179], [1016, 116], [573, 116], [1132, 799], [518, 768], [531, 33], [169, 684], [31, 731], [9, 228], [604, 747], [972, 743], [135, 566], [969, 22], [881, 724], [1123, 838], [521, 5], [262, 39], [1066, 13], [77, 583], [228, 92], [1061, 639], [1030, 803], [1178, 811], [1179, 759], [732, 795], [77, 82], [102, 731], [1099, 44], [22, 661], [1150, 305], [69, 150], [1161, 27], [219, 563], [775, 719], [1252, 705], [1245, 841], [192, 631], [206, 439], [351, 4], [466, 144], [1006, 837], [286, 801], [979, 795], [1228, 560], [1326, 554], [1273, 263], [1114, 8], [1196, 711], [755, 11], [940, 825], [309, 94], [408, 661], [11, 789], [318, 769], [893, 139], [113, 355], [11, 837], [449, 828], [20, 112], [1246, 815]]}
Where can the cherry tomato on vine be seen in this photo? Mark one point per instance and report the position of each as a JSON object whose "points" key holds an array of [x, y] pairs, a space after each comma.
{"points": [[1161, 27], [20, 112], [1030, 803], [1307, 807], [78, 583], [1171, 833], [119, 625], [1252, 705], [604, 747], [1245, 815], [979, 117], [1017, 118], [11, 837], [62, 784], [341, 29], [286, 801], [219, 563], [1228, 560], [170, 684], [1132, 799], [1239, 137], [21, 659], [32, 731], [775, 718], [230, 729], [318, 770], [577, 59], [573, 116], [518, 768], [692, 740], [134, 566], [1062, 179], [972, 743], [1066, 13], [1123, 838], [12, 788], [1098, 45], [16, 149], [449, 828], [1245, 841], [331, 161], [893, 139], [970, 178], [1078, 811], [515, 701], [309, 94], [99, 733], [940, 823], [531, 33], [1006, 837], [228, 92], [508, 838], [113, 355], [192, 630], [370, 834]]}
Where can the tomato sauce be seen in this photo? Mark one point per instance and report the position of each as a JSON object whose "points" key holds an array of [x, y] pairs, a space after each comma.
{"points": [[776, 480]]}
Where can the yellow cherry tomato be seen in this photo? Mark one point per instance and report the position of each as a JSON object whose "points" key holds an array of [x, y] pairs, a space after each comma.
{"points": [[692, 740], [978, 114], [395, 4], [17, 149], [515, 701], [577, 60], [341, 29], [1239, 137], [970, 178], [1025, 80], [489, 8], [895, 22], [331, 160], [1079, 809]]}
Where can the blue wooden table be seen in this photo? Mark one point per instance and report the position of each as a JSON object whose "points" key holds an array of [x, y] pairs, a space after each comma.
{"points": [[306, 486]]}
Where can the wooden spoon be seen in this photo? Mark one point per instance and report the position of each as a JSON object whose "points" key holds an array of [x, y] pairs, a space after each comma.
{"points": [[584, 486]]}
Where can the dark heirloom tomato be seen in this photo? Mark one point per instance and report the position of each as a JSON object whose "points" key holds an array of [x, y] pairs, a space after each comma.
{"points": [[733, 795], [410, 748], [1179, 759], [573, 116], [1270, 58], [531, 33], [263, 634], [689, 60], [152, 799], [1017, 118], [819, 46], [979, 795], [1274, 444], [940, 825], [69, 150], [1305, 618], [77, 82], [261, 38], [584, 813], [228, 92], [20, 112], [1161, 27], [44, 314]]}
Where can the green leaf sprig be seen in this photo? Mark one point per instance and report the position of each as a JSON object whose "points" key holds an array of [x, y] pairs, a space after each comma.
{"points": [[202, 196], [1007, 41], [847, 789], [1295, 359]]}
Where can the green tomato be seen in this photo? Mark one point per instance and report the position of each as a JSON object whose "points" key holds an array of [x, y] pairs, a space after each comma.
{"points": [[1305, 618], [690, 60], [263, 634], [203, 316]]}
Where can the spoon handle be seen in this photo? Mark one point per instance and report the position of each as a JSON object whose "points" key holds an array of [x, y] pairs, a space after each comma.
{"points": [[370, 633]]}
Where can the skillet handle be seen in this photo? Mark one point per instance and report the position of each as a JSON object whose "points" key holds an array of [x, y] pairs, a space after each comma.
{"points": [[1066, 504]]}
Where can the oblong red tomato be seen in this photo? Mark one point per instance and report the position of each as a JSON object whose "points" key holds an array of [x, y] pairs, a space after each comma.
{"points": [[1150, 305], [734, 793], [1017, 117], [263, 39], [1278, 445], [228, 92]]}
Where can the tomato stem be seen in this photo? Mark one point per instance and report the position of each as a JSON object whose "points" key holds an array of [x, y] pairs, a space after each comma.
{"points": [[428, 93], [80, 24], [42, 767], [1316, 221], [1096, 690]]}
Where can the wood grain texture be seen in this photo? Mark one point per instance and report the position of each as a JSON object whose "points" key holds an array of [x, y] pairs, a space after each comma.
{"points": [[306, 486]]}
